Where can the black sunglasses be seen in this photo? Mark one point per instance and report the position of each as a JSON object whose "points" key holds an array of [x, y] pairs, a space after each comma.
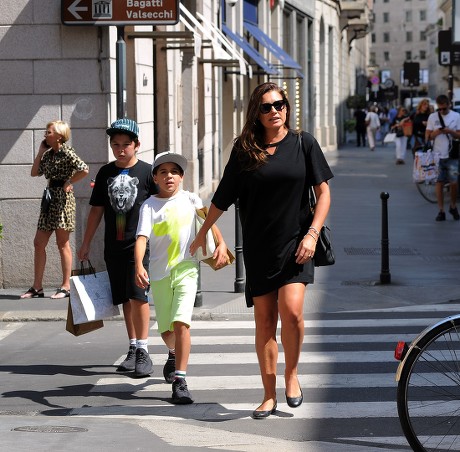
{"points": [[443, 109], [267, 108]]}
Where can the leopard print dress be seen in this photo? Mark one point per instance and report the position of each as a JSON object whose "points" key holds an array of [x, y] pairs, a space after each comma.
{"points": [[60, 165]]}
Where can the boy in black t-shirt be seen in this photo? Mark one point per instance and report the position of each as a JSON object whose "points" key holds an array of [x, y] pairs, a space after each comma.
{"points": [[120, 189]]}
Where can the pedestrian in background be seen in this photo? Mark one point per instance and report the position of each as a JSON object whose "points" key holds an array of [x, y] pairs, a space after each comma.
{"points": [[167, 222], [119, 190], [372, 125], [401, 140], [269, 172], [420, 121], [442, 128], [360, 127], [60, 164], [384, 124]]}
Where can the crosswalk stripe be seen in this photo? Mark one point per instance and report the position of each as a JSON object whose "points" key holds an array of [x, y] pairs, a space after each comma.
{"points": [[305, 357], [197, 383], [345, 323], [10, 328], [308, 339]]}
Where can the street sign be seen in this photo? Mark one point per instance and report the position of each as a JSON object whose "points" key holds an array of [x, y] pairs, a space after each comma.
{"points": [[119, 12], [449, 54]]}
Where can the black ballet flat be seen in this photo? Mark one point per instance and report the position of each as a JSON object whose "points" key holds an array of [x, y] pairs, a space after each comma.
{"points": [[295, 402], [263, 414]]}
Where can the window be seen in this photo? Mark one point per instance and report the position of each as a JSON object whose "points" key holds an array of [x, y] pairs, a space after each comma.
{"points": [[408, 55], [386, 56], [372, 58], [386, 17], [408, 16], [422, 54], [373, 38], [422, 14], [408, 36], [386, 37], [422, 36]]}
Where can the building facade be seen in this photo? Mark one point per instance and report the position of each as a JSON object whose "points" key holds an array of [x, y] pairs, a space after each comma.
{"points": [[187, 85]]}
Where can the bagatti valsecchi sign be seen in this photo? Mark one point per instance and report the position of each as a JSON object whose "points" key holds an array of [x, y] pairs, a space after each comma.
{"points": [[120, 12]]}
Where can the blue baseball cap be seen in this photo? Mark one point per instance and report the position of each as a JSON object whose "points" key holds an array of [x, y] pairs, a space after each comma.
{"points": [[124, 125]]}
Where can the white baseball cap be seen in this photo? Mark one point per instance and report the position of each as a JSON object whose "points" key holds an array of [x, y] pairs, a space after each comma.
{"points": [[165, 157]]}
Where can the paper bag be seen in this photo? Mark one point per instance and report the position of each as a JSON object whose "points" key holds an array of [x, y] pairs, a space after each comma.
{"points": [[91, 298], [211, 242], [83, 328]]}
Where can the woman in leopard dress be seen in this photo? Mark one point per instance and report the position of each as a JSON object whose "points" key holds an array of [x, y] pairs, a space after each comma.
{"points": [[59, 163]]}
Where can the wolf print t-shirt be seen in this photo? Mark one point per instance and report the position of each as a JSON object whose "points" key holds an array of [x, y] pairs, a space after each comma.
{"points": [[170, 225], [121, 191]]}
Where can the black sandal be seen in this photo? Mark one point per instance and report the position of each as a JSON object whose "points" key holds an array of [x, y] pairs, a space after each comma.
{"points": [[32, 293], [65, 292]]}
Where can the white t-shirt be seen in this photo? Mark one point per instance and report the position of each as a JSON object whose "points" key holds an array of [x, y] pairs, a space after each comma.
{"points": [[441, 143], [170, 225], [373, 118]]}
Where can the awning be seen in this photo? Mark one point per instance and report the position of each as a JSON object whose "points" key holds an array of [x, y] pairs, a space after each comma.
{"points": [[285, 59], [250, 51], [221, 56]]}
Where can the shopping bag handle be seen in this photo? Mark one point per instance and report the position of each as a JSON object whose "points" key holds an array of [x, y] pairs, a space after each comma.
{"points": [[90, 269]]}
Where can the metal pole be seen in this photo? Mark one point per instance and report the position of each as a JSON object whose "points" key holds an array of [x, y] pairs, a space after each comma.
{"points": [[239, 265], [450, 85], [385, 276], [199, 294], [121, 73]]}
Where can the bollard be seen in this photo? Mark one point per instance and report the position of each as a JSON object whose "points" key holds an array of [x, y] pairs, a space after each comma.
{"points": [[239, 266], [199, 295], [385, 276]]}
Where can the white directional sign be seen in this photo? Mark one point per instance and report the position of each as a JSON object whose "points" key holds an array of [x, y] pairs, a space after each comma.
{"points": [[120, 12]]}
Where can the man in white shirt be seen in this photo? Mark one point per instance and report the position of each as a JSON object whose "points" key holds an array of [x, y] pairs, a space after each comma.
{"points": [[443, 129], [373, 124]]}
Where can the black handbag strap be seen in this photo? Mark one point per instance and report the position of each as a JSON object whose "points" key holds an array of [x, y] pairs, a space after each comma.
{"points": [[89, 271], [311, 192]]}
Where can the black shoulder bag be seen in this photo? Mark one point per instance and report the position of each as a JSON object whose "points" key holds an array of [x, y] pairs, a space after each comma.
{"points": [[324, 254], [454, 145]]}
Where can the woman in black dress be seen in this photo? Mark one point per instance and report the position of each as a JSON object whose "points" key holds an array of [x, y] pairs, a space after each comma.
{"points": [[269, 171]]}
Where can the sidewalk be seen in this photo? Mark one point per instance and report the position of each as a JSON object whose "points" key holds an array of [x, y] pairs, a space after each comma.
{"points": [[423, 261]]}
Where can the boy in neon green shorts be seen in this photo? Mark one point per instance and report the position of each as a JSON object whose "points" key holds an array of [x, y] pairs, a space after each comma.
{"points": [[168, 219]]}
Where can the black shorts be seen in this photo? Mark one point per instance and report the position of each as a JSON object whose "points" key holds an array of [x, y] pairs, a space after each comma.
{"points": [[121, 274]]}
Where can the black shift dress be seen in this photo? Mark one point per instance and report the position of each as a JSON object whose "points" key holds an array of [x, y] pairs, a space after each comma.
{"points": [[274, 210]]}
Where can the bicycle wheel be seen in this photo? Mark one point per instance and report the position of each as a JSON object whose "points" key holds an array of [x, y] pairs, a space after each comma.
{"points": [[428, 395], [427, 190]]}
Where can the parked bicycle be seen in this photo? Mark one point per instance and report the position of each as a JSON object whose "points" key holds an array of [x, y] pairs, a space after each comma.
{"points": [[428, 395], [425, 174], [427, 189]]}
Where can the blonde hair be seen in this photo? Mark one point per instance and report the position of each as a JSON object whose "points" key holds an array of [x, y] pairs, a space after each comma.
{"points": [[62, 128]]}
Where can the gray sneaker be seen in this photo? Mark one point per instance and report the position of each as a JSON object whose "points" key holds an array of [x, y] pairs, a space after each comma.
{"points": [[169, 368], [181, 394], [144, 365], [129, 363]]}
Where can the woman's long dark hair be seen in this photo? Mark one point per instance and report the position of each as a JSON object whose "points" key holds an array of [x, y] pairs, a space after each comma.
{"points": [[250, 144]]}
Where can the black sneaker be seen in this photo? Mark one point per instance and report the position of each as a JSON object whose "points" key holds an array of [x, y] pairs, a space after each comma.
{"points": [[181, 394], [454, 212], [441, 216], [169, 368], [129, 363], [144, 365]]}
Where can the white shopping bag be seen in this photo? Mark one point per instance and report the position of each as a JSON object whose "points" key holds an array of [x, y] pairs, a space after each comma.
{"points": [[91, 298], [425, 167]]}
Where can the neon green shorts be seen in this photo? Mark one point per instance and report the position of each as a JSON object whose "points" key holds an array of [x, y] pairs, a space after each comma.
{"points": [[174, 296]]}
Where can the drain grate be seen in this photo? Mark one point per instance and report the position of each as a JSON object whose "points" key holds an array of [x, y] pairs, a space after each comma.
{"points": [[49, 429], [352, 251]]}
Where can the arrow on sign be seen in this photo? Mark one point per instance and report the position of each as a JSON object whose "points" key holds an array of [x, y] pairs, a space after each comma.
{"points": [[74, 8]]}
